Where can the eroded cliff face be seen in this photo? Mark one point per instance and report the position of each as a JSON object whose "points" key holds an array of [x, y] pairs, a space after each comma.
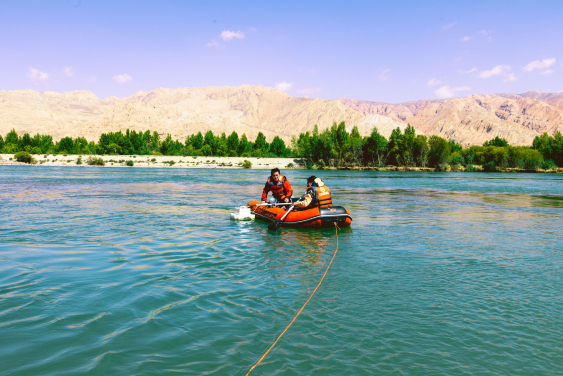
{"points": [[252, 109], [477, 118]]}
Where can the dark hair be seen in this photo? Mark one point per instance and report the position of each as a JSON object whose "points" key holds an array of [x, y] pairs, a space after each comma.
{"points": [[275, 170], [311, 179]]}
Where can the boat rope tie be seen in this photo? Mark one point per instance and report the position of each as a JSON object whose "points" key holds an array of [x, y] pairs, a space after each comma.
{"points": [[299, 312]]}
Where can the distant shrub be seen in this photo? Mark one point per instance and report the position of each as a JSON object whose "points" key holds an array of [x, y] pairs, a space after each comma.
{"points": [[290, 165], [23, 156], [153, 160], [246, 164], [92, 161], [458, 160], [36, 150], [79, 160], [155, 153], [489, 166], [442, 167], [471, 168], [548, 165], [245, 155], [129, 163]]}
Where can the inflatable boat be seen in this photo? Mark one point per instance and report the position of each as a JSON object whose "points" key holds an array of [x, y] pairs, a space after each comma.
{"points": [[307, 218]]}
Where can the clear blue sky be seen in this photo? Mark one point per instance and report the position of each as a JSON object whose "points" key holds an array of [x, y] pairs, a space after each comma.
{"points": [[390, 51]]}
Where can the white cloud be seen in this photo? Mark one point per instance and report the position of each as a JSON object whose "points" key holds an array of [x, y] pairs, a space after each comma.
{"points": [[539, 64], [434, 82], [213, 43], [284, 86], [465, 39], [36, 74], [510, 77], [449, 92], [468, 71], [498, 70], [68, 71], [547, 71], [227, 35], [122, 78], [384, 76], [449, 25]]}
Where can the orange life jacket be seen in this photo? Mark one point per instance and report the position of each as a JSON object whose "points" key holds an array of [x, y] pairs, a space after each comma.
{"points": [[321, 197], [280, 190]]}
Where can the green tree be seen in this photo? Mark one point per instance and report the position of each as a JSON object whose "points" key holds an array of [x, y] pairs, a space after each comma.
{"points": [[65, 145], [244, 145], [233, 143], [277, 147], [454, 146], [375, 149], [12, 138], [261, 143], [209, 139], [197, 141], [421, 150], [206, 150], [497, 141], [439, 151]]}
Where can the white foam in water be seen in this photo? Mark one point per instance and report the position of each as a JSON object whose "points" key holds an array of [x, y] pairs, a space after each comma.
{"points": [[242, 213]]}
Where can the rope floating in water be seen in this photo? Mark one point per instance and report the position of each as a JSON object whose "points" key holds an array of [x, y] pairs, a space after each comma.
{"points": [[298, 313]]}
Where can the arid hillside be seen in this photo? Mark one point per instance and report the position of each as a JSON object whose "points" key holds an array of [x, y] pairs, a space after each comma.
{"points": [[180, 112], [476, 118], [252, 109]]}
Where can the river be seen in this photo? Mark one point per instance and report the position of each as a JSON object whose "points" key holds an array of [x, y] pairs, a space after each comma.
{"points": [[140, 271]]}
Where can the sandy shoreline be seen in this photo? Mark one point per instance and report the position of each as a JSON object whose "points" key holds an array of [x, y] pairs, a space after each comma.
{"points": [[157, 161], [217, 162]]}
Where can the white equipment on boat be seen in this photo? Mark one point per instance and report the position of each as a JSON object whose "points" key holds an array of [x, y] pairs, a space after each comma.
{"points": [[242, 213]]}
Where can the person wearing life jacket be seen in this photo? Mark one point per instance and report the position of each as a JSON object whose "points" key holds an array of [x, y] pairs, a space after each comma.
{"points": [[318, 195], [279, 186]]}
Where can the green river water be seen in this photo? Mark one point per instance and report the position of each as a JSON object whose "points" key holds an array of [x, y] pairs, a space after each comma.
{"points": [[116, 271]]}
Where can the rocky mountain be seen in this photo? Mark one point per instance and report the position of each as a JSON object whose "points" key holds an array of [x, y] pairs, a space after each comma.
{"points": [[252, 109], [477, 118]]}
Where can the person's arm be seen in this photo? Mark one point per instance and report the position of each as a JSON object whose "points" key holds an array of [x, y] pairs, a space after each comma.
{"points": [[305, 202], [288, 190], [265, 192]]}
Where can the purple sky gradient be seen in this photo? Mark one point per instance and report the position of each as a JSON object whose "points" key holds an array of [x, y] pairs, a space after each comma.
{"points": [[392, 51]]}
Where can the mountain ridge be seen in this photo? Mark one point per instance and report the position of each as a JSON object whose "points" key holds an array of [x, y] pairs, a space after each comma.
{"points": [[254, 108]]}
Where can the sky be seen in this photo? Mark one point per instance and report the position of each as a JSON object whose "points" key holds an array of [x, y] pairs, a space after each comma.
{"points": [[387, 51]]}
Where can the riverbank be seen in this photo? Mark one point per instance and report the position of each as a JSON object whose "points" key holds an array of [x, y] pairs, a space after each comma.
{"points": [[227, 162], [157, 161]]}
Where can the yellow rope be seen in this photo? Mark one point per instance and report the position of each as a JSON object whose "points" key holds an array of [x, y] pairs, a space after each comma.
{"points": [[298, 313]]}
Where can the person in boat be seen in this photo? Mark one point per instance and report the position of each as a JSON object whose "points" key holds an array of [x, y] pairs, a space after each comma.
{"points": [[279, 186], [317, 195]]}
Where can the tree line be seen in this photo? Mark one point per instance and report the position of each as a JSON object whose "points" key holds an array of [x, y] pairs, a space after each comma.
{"points": [[147, 143], [333, 147]]}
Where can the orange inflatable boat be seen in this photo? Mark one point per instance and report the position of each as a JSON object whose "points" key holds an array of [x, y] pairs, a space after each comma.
{"points": [[308, 218]]}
